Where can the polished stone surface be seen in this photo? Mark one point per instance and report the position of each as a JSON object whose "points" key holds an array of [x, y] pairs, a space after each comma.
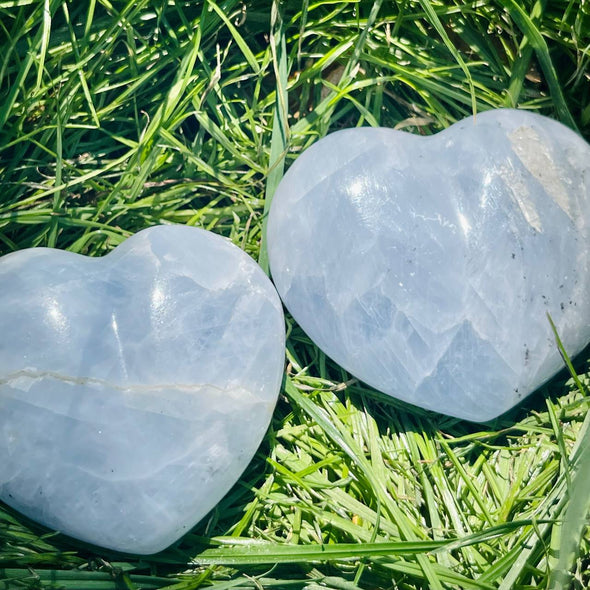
{"points": [[426, 266], [134, 388]]}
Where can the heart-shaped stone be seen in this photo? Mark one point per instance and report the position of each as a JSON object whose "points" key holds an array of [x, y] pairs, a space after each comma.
{"points": [[134, 388], [426, 266]]}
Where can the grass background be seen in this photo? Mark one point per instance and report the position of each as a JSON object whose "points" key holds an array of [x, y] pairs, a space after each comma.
{"points": [[118, 115]]}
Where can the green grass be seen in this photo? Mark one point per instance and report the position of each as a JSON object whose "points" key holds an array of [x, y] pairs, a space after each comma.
{"points": [[115, 116]]}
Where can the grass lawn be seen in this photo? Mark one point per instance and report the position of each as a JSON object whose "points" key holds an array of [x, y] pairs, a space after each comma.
{"points": [[118, 115]]}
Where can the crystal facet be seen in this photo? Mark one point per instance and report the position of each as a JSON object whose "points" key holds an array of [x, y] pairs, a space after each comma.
{"points": [[426, 266], [134, 388]]}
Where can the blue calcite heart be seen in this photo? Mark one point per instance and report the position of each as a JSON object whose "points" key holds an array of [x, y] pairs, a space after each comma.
{"points": [[134, 388], [426, 266]]}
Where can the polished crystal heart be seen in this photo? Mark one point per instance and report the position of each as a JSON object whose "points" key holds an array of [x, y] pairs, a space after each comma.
{"points": [[426, 266], [134, 388]]}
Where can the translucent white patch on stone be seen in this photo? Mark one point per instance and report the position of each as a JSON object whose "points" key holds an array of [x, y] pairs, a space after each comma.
{"points": [[536, 157]]}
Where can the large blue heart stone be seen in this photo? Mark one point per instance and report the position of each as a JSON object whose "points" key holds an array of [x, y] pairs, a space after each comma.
{"points": [[426, 266]]}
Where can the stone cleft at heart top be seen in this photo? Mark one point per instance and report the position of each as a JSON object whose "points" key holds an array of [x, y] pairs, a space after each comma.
{"points": [[134, 388], [426, 266]]}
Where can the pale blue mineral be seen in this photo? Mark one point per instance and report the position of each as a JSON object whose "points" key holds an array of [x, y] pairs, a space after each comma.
{"points": [[136, 387], [426, 266]]}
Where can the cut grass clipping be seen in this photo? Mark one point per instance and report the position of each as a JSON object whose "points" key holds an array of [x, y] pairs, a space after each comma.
{"points": [[115, 116]]}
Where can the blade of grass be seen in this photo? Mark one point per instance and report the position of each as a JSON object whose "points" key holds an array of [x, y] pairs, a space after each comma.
{"points": [[263, 553], [81, 75], [237, 37], [523, 58], [440, 29], [280, 128], [45, 34], [539, 45], [575, 521], [576, 517]]}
